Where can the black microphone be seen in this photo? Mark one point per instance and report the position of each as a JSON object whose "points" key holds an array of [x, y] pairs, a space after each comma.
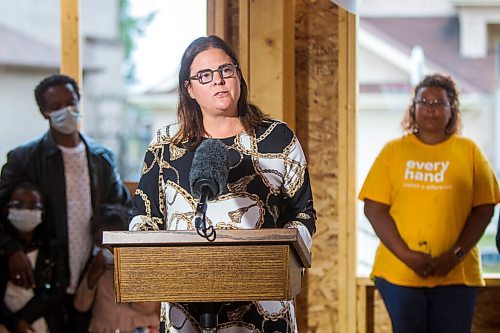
{"points": [[208, 176]]}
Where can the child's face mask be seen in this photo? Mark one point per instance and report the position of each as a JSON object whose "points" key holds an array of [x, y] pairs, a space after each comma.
{"points": [[25, 220]]}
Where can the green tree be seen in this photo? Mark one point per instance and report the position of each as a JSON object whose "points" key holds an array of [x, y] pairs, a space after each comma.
{"points": [[131, 28]]}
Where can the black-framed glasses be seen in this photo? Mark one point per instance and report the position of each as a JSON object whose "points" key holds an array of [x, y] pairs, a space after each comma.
{"points": [[24, 205], [428, 104], [207, 75]]}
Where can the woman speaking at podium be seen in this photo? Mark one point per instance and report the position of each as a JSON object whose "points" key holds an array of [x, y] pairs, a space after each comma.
{"points": [[267, 181]]}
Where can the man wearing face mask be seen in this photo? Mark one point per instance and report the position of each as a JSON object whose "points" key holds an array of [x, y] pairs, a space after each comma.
{"points": [[75, 175]]}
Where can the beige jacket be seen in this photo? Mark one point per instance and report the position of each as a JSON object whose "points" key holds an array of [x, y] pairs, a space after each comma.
{"points": [[109, 316]]}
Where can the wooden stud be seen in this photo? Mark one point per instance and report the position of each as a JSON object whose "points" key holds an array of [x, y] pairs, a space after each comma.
{"points": [[271, 55], [217, 18], [365, 305], [244, 38], [317, 110], [346, 173], [70, 45], [70, 40]]}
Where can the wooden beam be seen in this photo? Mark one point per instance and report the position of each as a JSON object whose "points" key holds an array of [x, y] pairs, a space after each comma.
{"points": [[272, 58], [70, 40], [347, 166], [71, 64], [266, 40], [365, 305], [317, 71], [244, 38], [216, 18]]}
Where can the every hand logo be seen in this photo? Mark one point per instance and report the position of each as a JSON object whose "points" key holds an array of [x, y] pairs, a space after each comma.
{"points": [[428, 172]]}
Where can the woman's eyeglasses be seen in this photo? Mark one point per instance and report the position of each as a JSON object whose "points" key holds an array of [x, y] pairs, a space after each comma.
{"points": [[207, 75], [428, 104]]}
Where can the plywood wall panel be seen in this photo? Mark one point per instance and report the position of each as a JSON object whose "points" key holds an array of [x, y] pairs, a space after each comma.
{"points": [[317, 122], [317, 102], [487, 311], [382, 322]]}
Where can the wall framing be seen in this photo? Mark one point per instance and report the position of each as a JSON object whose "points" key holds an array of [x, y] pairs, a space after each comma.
{"points": [[70, 40], [325, 96], [347, 170]]}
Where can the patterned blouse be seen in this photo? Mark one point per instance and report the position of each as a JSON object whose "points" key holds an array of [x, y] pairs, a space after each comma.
{"points": [[268, 187]]}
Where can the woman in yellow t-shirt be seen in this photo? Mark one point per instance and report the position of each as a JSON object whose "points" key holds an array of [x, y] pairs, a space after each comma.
{"points": [[429, 196]]}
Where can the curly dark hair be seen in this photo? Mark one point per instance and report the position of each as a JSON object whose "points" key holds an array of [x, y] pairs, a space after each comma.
{"points": [[409, 122], [189, 112], [26, 185], [51, 81]]}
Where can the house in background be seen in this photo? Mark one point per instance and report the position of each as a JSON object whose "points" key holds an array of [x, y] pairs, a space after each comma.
{"points": [[24, 60], [152, 109], [398, 43], [30, 50], [159, 101]]}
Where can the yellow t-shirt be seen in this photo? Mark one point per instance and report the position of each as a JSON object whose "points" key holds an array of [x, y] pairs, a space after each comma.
{"points": [[430, 190]]}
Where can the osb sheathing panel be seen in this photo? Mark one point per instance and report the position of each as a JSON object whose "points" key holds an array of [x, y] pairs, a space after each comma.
{"points": [[382, 322], [317, 124], [487, 311], [317, 119], [316, 78]]}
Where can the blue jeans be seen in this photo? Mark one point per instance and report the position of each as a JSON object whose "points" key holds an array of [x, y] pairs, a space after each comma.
{"points": [[433, 310]]}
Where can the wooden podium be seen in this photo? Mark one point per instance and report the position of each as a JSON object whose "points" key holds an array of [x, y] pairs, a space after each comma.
{"points": [[181, 266]]}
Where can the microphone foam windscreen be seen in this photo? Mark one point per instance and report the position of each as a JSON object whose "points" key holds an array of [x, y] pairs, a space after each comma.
{"points": [[210, 167]]}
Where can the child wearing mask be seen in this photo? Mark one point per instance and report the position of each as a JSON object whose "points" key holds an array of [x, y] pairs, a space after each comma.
{"points": [[96, 287], [38, 309]]}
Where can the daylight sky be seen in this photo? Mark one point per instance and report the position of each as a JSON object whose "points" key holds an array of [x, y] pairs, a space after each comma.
{"points": [[158, 53]]}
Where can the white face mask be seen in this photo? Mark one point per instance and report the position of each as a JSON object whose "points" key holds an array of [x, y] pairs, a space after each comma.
{"points": [[25, 220], [65, 120]]}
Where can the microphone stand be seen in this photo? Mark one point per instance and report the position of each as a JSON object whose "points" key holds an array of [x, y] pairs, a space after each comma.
{"points": [[208, 312], [208, 317], [200, 218]]}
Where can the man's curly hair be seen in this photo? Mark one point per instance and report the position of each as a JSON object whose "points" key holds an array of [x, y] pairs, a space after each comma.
{"points": [[52, 81]]}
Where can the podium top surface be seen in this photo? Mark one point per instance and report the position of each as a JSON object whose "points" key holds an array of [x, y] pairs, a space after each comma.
{"points": [[224, 237]]}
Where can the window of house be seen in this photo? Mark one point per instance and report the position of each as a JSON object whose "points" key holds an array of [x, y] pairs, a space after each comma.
{"points": [[130, 54]]}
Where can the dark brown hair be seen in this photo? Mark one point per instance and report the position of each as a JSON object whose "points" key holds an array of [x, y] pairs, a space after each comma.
{"points": [[409, 122], [189, 113]]}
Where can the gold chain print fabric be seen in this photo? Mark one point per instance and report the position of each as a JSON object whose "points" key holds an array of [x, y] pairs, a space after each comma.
{"points": [[268, 187]]}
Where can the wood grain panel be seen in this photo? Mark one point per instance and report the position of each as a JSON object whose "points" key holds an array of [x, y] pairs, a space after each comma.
{"points": [[271, 59], [201, 273], [316, 54], [289, 236], [70, 40], [487, 312], [216, 18]]}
